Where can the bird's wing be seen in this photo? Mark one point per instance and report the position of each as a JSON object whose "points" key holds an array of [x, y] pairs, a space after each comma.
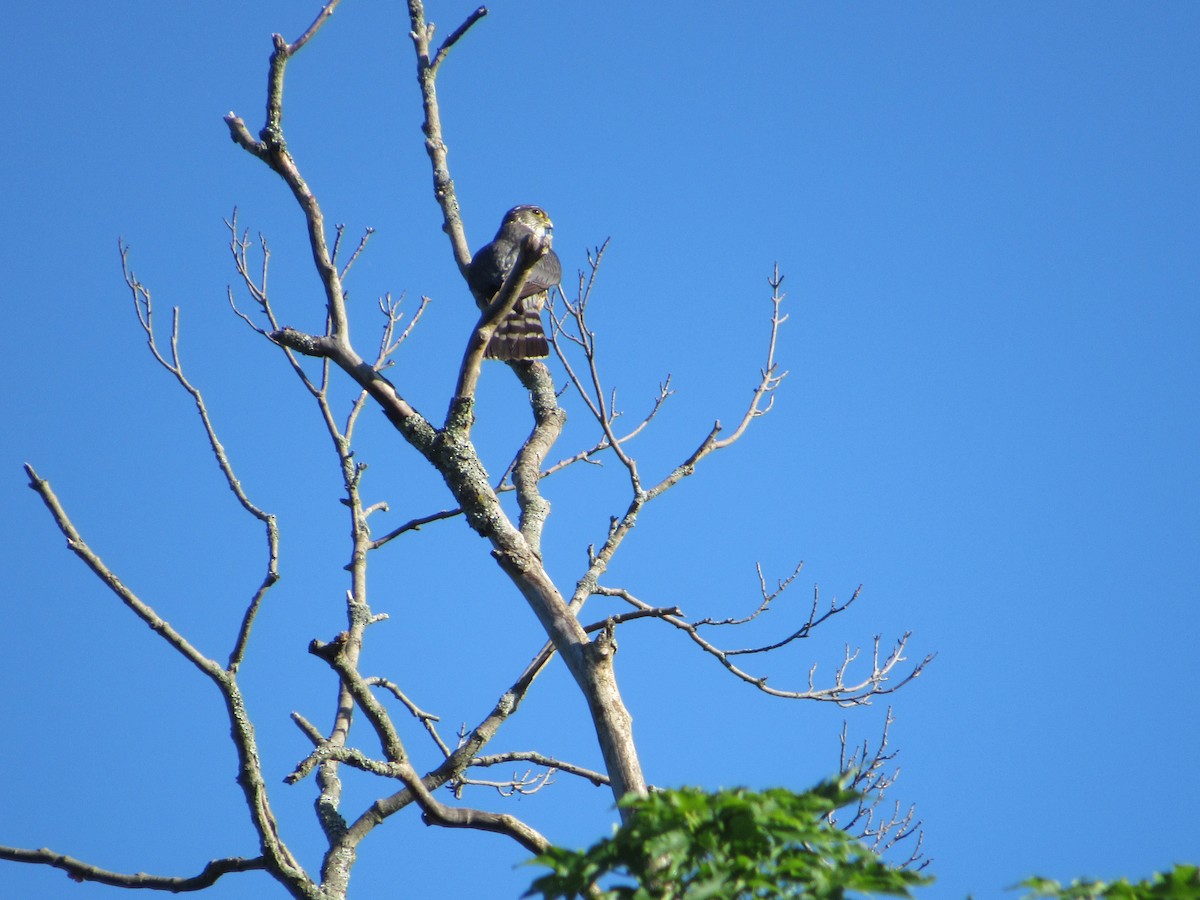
{"points": [[545, 274]]}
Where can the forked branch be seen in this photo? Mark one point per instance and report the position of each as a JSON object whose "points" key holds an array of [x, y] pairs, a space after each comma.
{"points": [[540, 759], [278, 859], [880, 681], [435, 145], [435, 812], [143, 303], [873, 774], [573, 328]]}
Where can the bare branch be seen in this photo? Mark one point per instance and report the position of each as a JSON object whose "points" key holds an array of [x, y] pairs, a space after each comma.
{"points": [[541, 759], [660, 612], [434, 811], [428, 720], [592, 393], [272, 149], [329, 752], [308, 728], [279, 859], [469, 746], [77, 545], [388, 343], [877, 683], [524, 785], [239, 248], [437, 813], [872, 776], [548, 421], [415, 525], [765, 391], [144, 306], [456, 35], [594, 397], [79, 871], [769, 597], [362, 243], [435, 146], [407, 420], [322, 16], [664, 391], [814, 619], [763, 394]]}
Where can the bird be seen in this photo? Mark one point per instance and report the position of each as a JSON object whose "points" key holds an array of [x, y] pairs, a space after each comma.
{"points": [[520, 335]]}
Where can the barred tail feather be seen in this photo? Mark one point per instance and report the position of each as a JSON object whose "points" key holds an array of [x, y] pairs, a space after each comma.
{"points": [[520, 336]]}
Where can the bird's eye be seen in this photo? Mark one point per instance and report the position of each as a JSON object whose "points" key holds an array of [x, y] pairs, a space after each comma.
{"points": [[538, 211]]}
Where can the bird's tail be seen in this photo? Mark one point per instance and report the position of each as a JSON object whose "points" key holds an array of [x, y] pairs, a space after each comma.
{"points": [[520, 335]]}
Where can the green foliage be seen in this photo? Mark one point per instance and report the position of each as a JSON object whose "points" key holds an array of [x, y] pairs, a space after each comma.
{"points": [[725, 846], [1181, 883]]}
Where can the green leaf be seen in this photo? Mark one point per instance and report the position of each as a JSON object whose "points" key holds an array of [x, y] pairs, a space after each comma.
{"points": [[727, 845], [1181, 883]]}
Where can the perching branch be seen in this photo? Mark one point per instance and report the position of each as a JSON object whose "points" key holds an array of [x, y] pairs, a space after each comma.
{"points": [[532, 448], [548, 417], [532, 249]]}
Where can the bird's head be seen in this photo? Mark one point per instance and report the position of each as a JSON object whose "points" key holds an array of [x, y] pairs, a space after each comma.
{"points": [[522, 220]]}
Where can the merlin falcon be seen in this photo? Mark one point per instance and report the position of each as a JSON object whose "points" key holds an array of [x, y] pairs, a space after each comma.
{"points": [[520, 335]]}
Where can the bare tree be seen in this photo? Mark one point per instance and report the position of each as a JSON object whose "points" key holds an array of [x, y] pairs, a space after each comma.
{"points": [[319, 360]]}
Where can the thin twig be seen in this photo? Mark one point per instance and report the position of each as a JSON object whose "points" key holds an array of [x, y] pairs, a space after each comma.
{"points": [[427, 67], [519, 785], [429, 720], [872, 775], [322, 16], [362, 243], [878, 683], [769, 596], [143, 611], [541, 759], [144, 306], [456, 35]]}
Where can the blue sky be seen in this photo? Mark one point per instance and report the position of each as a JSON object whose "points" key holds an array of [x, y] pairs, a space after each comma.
{"points": [[988, 216]]}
